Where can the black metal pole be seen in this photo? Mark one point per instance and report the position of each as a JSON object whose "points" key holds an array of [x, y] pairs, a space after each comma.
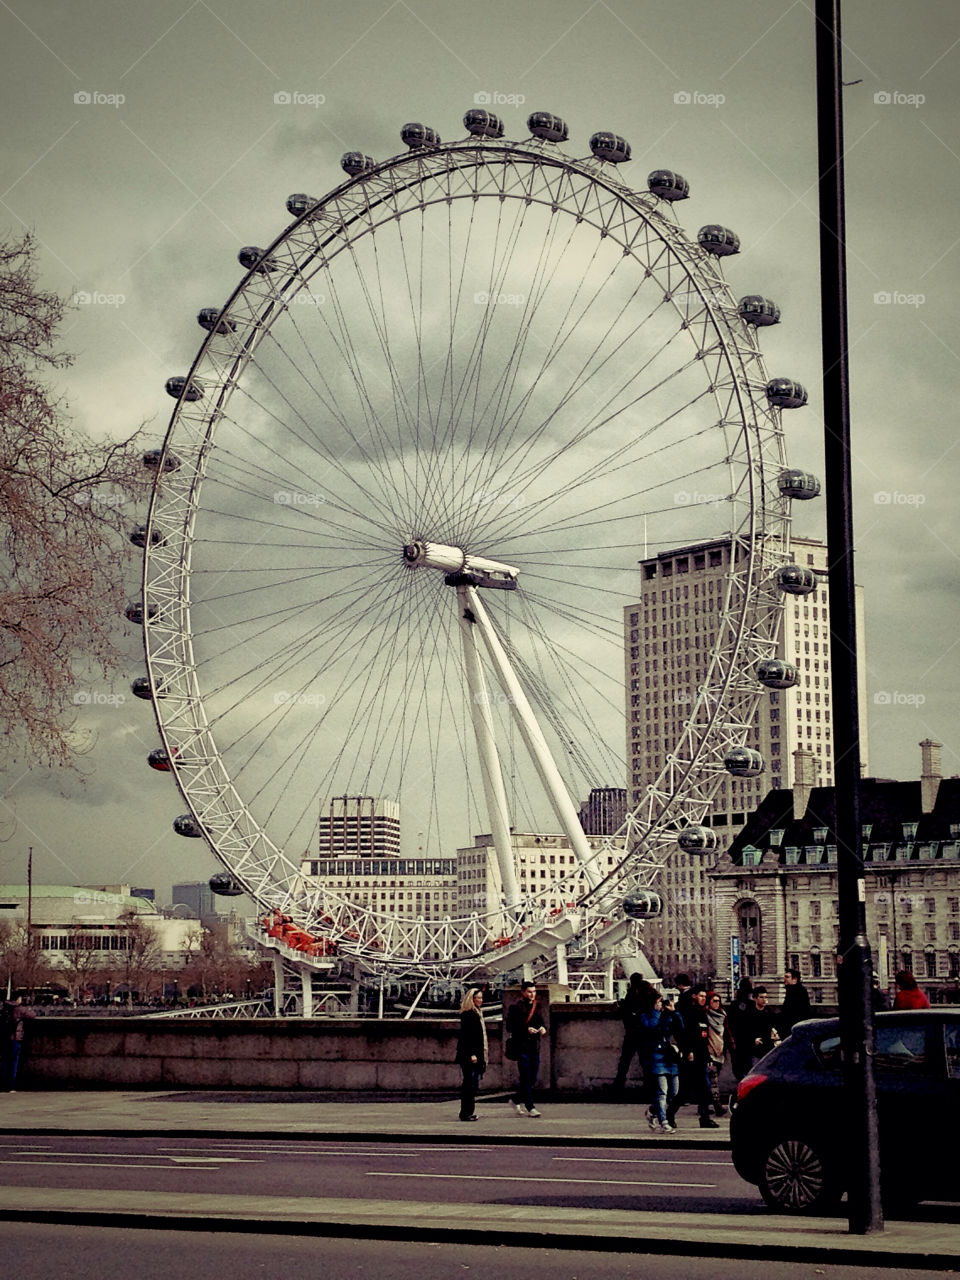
{"points": [[854, 970]]}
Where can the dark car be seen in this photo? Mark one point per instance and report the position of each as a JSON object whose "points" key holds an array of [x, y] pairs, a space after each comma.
{"points": [[790, 1133]]}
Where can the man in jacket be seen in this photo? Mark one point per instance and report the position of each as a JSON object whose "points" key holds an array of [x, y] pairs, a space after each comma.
{"points": [[796, 1003], [525, 1026]]}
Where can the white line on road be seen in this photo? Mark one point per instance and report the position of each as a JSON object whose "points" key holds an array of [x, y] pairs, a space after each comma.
{"points": [[82, 1164], [131, 1155], [576, 1182], [688, 1164]]}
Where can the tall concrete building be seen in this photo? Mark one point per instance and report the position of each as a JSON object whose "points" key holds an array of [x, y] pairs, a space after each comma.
{"points": [[670, 634], [359, 827]]}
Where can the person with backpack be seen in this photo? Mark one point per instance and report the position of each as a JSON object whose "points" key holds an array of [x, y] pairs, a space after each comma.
{"points": [[639, 997]]}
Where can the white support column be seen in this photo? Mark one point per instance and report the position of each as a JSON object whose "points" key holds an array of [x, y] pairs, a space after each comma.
{"points": [[306, 990], [493, 788], [534, 740], [277, 986], [562, 975]]}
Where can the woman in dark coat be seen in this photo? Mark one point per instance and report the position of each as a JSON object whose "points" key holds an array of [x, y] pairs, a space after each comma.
{"points": [[471, 1051]]}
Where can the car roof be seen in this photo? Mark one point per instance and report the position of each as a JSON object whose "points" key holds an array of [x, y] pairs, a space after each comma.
{"points": [[810, 1027]]}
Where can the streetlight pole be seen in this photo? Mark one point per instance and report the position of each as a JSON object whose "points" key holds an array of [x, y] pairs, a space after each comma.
{"points": [[855, 966]]}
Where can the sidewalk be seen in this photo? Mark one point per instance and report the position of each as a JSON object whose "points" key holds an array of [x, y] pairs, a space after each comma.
{"points": [[758, 1234]]}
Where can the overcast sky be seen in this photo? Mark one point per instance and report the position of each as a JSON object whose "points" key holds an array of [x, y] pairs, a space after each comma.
{"points": [[145, 144]]}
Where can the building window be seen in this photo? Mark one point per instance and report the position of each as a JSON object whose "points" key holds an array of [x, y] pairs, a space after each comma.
{"points": [[930, 963], [816, 968]]}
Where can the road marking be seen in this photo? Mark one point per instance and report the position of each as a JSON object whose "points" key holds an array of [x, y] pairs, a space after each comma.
{"points": [[576, 1182], [699, 1164], [82, 1164], [131, 1155]]}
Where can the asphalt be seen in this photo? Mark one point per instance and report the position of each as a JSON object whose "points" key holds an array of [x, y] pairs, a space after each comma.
{"points": [[760, 1235]]}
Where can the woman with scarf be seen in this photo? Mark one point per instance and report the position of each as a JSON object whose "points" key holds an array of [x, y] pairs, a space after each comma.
{"points": [[471, 1051], [719, 1041]]}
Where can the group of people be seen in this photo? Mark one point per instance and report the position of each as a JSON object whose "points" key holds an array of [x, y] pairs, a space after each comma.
{"points": [[524, 1028], [682, 1045]]}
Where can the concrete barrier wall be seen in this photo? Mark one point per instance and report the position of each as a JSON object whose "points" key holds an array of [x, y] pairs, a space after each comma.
{"points": [[579, 1055]]}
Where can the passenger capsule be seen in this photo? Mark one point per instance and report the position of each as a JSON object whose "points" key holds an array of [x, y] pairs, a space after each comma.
{"points": [[774, 673], [720, 241], [187, 825], [134, 612], [483, 124], [796, 580], [642, 904], [610, 146], [698, 840], [298, 204], [159, 760], [542, 124], [417, 135], [211, 320], [785, 393], [224, 884], [668, 185], [181, 388], [141, 688], [744, 762], [154, 460], [138, 536], [255, 259], [354, 162], [798, 484], [758, 311]]}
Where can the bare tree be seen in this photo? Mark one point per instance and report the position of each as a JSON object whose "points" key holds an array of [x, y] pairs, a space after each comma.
{"points": [[218, 966], [62, 549], [140, 958], [83, 960], [22, 964]]}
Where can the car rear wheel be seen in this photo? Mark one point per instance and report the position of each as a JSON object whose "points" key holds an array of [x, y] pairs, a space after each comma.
{"points": [[796, 1178]]}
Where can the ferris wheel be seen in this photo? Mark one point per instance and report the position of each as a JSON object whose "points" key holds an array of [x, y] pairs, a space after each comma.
{"points": [[396, 521]]}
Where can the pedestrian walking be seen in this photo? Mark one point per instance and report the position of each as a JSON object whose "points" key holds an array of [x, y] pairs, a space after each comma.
{"points": [[525, 1027], [12, 1033], [662, 1031], [696, 1028], [719, 1043], [761, 1034], [638, 999], [740, 1020], [796, 1003], [471, 1051], [909, 995]]}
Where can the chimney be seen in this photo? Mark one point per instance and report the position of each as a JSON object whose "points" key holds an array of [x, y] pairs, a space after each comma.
{"points": [[805, 778], [931, 772]]}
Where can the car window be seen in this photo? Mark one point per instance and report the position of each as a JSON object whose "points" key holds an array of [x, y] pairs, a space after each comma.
{"points": [[896, 1048], [951, 1045], [899, 1048]]}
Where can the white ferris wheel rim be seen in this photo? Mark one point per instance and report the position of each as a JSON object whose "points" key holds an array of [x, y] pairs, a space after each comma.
{"points": [[691, 283]]}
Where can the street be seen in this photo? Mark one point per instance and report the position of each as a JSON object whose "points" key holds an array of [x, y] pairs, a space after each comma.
{"points": [[645, 1179]]}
